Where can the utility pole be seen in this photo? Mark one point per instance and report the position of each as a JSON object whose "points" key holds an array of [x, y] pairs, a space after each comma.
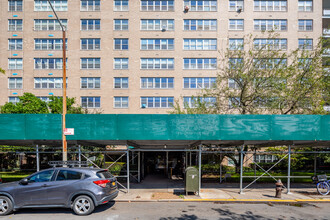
{"points": [[64, 142]]}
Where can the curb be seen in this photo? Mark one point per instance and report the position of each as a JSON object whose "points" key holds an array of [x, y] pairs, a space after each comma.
{"points": [[232, 200]]}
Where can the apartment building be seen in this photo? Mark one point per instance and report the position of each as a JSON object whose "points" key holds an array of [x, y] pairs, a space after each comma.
{"points": [[138, 56]]}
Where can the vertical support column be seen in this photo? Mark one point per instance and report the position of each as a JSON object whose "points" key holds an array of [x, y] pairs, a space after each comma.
{"points": [[190, 158], [142, 165], [254, 162], [79, 155], [289, 169], [38, 159], [220, 169], [166, 164], [186, 160], [127, 164], [200, 168], [139, 164], [241, 173]]}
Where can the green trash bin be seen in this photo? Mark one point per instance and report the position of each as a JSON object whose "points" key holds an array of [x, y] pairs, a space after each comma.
{"points": [[191, 180]]}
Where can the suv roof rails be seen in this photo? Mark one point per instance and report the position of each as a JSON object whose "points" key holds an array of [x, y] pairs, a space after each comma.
{"points": [[69, 164]]}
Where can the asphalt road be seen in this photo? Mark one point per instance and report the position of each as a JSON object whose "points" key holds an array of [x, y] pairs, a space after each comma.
{"points": [[182, 211]]}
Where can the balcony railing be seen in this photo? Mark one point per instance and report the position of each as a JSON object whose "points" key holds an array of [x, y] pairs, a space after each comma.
{"points": [[326, 31]]}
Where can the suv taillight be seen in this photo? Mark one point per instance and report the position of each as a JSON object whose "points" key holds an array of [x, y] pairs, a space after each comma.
{"points": [[102, 183]]}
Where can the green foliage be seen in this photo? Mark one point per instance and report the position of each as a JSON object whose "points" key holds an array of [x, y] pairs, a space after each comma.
{"points": [[266, 80], [30, 104], [56, 106], [116, 168], [2, 71]]}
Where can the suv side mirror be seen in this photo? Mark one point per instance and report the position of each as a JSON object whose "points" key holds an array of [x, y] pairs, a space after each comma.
{"points": [[24, 181]]}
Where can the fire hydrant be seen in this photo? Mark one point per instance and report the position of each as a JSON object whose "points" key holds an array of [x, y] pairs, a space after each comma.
{"points": [[279, 188]]}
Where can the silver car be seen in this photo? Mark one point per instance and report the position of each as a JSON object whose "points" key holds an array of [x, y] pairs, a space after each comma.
{"points": [[81, 189]]}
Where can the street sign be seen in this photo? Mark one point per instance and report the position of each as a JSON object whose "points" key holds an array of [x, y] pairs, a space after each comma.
{"points": [[68, 131]]}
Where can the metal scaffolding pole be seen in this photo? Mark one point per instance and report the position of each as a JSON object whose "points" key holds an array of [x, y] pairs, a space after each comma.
{"points": [[79, 155], [241, 173], [142, 165], [314, 164], [289, 169], [166, 164], [38, 159], [200, 168], [220, 169], [190, 158], [127, 157], [139, 170]]}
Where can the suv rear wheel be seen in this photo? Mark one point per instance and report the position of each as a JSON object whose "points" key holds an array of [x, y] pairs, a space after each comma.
{"points": [[83, 205], [6, 206]]}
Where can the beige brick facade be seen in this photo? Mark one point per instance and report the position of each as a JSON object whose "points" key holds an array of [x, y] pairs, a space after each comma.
{"points": [[134, 53]]}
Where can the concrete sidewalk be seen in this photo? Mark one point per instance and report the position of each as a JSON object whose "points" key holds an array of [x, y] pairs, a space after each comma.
{"points": [[161, 189]]}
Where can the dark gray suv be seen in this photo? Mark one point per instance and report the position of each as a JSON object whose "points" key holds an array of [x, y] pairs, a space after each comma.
{"points": [[81, 189]]}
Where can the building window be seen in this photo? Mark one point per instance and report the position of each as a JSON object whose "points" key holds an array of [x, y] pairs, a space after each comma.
{"points": [[15, 44], [304, 63], [90, 63], [305, 5], [48, 82], [15, 5], [199, 63], [305, 25], [191, 102], [13, 99], [270, 44], [268, 64], [15, 24], [90, 102], [234, 102], [120, 102], [305, 44], [120, 63], [43, 5], [236, 44], [90, 5], [90, 24], [49, 24], [120, 24], [199, 82], [270, 25], [157, 82], [200, 25], [233, 84], [121, 5], [157, 25], [236, 24], [265, 158], [44, 98], [200, 44], [48, 63], [15, 83], [269, 5], [201, 5], [157, 44], [157, 102], [90, 43], [90, 82], [157, 5], [235, 63], [157, 63], [236, 5], [48, 44], [15, 63], [120, 44], [121, 82]]}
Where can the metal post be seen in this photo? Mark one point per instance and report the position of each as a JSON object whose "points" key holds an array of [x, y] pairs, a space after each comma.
{"points": [[254, 162], [142, 165], [289, 169], [200, 168], [38, 159], [127, 158], [241, 174], [139, 175], [79, 155], [190, 158], [167, 164], [220, 169]]}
